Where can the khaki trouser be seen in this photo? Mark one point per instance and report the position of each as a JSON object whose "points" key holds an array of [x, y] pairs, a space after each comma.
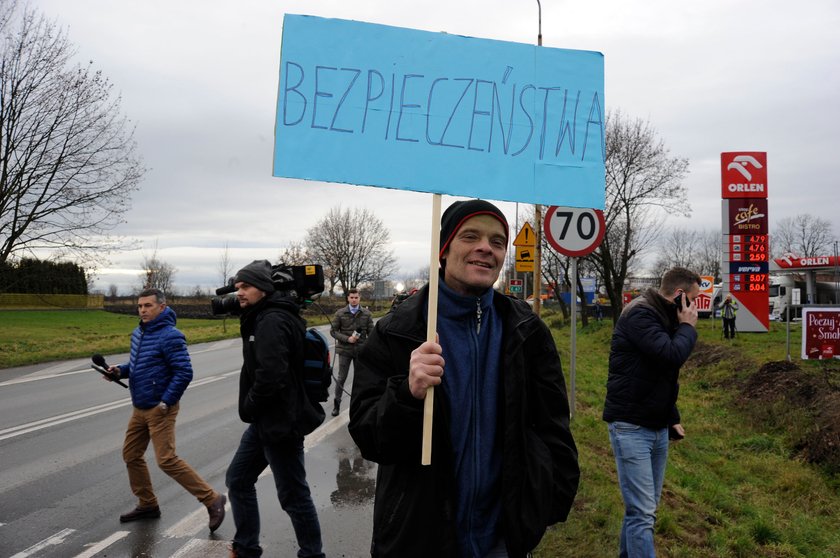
{"points": [[159, 427]]}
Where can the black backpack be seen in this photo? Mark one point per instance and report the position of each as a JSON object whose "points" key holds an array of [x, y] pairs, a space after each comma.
{"points": [[317, 372]]}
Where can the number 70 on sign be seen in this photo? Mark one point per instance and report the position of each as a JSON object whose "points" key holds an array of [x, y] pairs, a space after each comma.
{"points": [[574, 231]]}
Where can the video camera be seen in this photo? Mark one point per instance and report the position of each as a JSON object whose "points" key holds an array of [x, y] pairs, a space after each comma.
{"points": [[303, 282]]}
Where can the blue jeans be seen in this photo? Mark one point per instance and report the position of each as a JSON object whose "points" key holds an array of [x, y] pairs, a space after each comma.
{"points": [[286, 461], [640, 458]]}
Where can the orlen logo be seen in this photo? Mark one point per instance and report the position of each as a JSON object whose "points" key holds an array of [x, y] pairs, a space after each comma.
{"points": [[744, 175], [740, 164]]}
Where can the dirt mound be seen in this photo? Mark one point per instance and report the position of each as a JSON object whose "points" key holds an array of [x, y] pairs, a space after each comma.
{"points": [[779, 388], [782, 380], [708, 354], [822, 444]]}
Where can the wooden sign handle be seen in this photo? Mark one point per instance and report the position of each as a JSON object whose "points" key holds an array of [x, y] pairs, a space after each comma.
{"points": [[431, 328]]}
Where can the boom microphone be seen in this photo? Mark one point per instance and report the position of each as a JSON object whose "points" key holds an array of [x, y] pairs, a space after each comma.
{"points": [[101, 366]]}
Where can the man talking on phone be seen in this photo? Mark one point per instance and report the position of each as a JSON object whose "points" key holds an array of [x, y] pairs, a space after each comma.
{"points": [[653, 337]]}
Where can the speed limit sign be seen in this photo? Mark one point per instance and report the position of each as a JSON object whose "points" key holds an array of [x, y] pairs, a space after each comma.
{"points": [[574, 231]]}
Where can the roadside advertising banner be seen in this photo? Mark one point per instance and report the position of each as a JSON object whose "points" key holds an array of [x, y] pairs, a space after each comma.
{"points": [[820, 333], [704, 299]]}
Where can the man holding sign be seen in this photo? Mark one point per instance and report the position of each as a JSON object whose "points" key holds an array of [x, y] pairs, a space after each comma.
{"points": [[504, 463]]}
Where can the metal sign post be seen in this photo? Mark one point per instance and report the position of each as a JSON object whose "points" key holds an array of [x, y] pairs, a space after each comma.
{"points": [[574, 232]]}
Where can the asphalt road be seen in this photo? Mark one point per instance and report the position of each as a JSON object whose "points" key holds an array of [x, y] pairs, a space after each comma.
{"points": [[63, 483]]}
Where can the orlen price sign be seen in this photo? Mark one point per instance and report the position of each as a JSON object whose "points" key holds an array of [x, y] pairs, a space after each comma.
{"points": [[820, 333]]}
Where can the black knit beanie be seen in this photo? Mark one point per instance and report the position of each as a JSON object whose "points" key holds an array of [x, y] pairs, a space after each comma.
{"points": [[258, 274], [458, 213]]}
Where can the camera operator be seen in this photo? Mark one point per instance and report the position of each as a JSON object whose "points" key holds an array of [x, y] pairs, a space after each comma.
{"points": [[728, 311], [273, 402]]}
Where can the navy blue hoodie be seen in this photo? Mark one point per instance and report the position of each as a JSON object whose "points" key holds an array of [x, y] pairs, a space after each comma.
{"points": [[471, 338]]}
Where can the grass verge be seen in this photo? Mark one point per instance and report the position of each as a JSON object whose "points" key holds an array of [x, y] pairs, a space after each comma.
{"points": [[734, 487], [34, 336]]}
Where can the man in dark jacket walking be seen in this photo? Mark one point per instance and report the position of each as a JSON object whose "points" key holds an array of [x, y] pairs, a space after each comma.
{"points": [[350, 326], [504, 463], [652, 339], [273, 402], [159, 371]]}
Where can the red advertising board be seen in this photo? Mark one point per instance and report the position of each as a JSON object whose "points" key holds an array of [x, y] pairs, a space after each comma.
{"points": [[748, 216], [704, 299], [820, 333], [743, 174], [814, 262]]}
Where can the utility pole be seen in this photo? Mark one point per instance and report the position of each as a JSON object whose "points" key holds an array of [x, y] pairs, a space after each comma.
{"points": [[538, 209]]}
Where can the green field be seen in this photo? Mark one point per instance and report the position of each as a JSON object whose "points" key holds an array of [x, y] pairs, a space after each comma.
{"points": [[34, 336], [737, 486]]}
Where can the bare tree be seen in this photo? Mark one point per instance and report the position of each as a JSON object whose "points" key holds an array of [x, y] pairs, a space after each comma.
{"points": [[68, 161], [157, 274], [421, 275], [352, 247], [556, 269], [197, 292], [698, 251], [296, 253], [225, 266], [113, 291], [709, 255], [642, 179], [803, 235]]}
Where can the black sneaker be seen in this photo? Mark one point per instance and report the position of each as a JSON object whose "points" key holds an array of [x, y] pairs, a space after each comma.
{"points": [[140, 513], [336, 408]]}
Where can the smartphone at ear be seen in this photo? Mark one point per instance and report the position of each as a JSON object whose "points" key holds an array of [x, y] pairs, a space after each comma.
{"points": [[678, 300]]}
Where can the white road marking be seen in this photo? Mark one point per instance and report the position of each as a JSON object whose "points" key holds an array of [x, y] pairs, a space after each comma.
{"points": [[102, 545], [191, 524], [32, 378], [202, 548], [218, 345], [54, 540], [325, 430], [60, 419], [197, 520], [82, 413], [192, 544], [63, 369]]}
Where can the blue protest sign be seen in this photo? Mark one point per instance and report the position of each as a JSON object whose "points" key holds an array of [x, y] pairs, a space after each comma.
{"points": [[374, 105]]}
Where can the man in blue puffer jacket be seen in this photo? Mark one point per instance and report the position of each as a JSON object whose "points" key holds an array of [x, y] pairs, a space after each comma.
{"points": [[159, 371]]}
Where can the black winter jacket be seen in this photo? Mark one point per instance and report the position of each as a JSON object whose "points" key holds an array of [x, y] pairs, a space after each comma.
{"points": [[271, 390], [414, 513], [648, 348]]}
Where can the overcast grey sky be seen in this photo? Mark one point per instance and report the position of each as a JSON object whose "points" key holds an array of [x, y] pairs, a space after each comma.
{"points": [[199, 80]]}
